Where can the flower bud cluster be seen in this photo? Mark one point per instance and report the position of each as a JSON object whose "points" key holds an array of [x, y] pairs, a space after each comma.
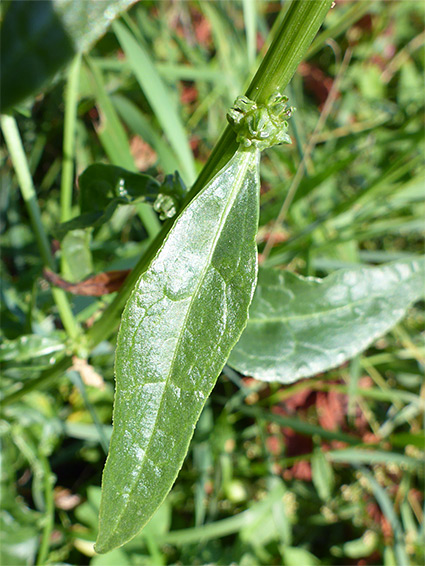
{"points": [[261, 125]]}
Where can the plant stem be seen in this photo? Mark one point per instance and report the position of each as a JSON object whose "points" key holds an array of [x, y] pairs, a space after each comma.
{"points": [[293, 37], [20, 163], [19, 160], [65, 313], [49, 517], [71, 100]]}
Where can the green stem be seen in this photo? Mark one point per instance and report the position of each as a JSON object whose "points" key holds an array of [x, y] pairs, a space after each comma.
{"points": [[66, 315], [20, 164], [293, 37], [49, 516], [19, 160], [71, 100]]}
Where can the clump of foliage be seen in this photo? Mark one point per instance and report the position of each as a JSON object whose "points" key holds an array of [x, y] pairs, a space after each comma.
{"points": [[310, 447]]}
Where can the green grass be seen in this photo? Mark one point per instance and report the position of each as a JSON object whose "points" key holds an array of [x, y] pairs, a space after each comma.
{"points": [[328, 470]]}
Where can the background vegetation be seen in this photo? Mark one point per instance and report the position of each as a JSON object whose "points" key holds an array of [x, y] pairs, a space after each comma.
{"points": [[270, 477]]}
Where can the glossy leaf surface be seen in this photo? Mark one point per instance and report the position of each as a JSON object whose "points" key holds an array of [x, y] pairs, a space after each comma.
{"points": [[300, 326], [180, 323], [38, 38]]}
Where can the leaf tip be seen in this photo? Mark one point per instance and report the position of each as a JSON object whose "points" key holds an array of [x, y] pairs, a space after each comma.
{"points": [[104, 544]]}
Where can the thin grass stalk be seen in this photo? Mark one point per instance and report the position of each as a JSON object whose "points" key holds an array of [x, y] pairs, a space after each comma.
{"points": [[20, 164], [49, 514], [307, 154], [71, 101]]}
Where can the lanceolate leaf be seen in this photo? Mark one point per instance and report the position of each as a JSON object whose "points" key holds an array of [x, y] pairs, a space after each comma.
{"points": [[300, 326], [180, 323]]}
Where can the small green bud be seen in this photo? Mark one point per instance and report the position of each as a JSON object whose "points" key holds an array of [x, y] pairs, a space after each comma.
{"points": [[165, 205], [261, 125]]}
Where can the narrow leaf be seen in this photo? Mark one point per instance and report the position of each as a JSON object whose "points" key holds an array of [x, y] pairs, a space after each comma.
{"points": [[300, 326], [180, 323]]}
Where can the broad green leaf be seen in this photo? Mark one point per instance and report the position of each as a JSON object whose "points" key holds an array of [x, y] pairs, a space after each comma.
{"points": [[302, 326], [180, 323], [39, 38]]}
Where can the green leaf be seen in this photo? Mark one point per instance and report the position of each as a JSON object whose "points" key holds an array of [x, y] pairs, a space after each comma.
{"points": [[180, 323], [39, 38], [293, 556], [18, 542], [28, 347], [363, 546], [99, 183], [302, 326], [104, 187], [76, 256]]}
